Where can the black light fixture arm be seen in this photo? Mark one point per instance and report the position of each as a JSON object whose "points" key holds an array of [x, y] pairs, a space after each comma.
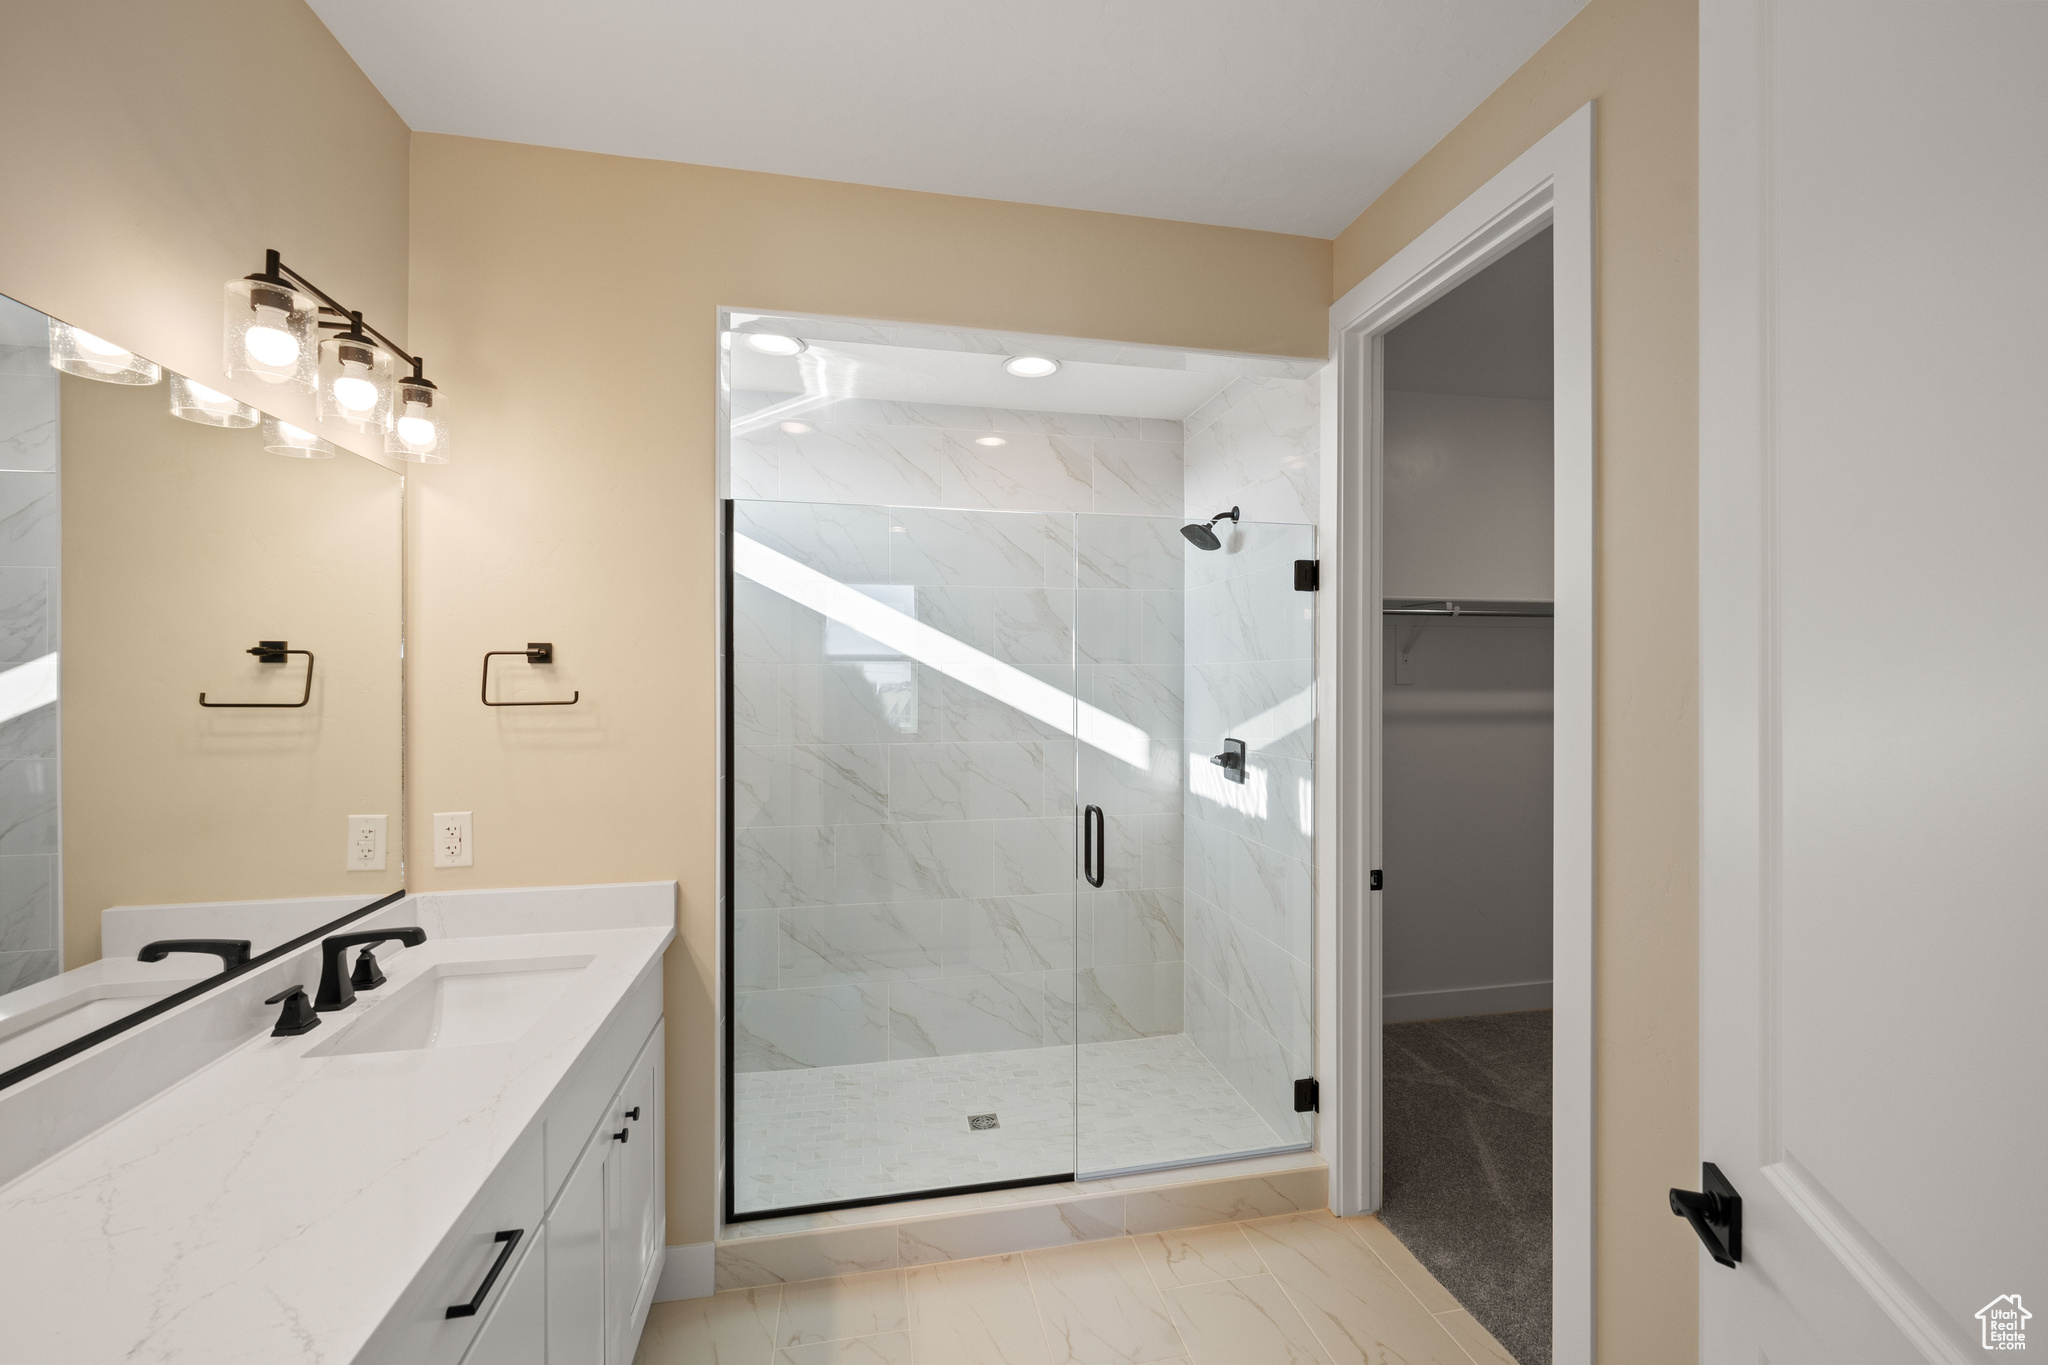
{"points": [[277, 272]]}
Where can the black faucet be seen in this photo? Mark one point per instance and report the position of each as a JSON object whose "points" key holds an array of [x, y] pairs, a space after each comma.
{"points": [[338, 992], [233, 952]]}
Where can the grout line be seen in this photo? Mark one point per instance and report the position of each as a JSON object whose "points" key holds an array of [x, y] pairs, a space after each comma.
{"points": [[1145, 1264], [1402, 1280]]}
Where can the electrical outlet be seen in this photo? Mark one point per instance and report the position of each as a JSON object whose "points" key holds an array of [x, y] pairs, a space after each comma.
{"points": [[452, 842], [365, 843]]}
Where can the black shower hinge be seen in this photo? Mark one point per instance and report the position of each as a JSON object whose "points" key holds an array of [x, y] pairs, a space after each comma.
{"points": [[1308, 1096], [1379, 883], [1308, 575]]}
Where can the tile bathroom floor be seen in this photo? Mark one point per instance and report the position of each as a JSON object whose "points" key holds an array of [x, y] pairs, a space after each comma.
{"points": [[1301, 1289], [822, 1134]]}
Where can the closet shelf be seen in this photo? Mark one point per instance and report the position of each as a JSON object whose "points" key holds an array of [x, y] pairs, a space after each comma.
{"points": [[1467, 606]]}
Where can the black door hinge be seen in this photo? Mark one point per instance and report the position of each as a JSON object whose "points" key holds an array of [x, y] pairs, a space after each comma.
{"points": [[1308, 575], [1308, 1096], [1715, 1210], [1379, 883]]}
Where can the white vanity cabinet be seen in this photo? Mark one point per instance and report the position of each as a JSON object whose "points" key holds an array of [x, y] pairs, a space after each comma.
{"points": [[605, 1233], [576, 1287]]}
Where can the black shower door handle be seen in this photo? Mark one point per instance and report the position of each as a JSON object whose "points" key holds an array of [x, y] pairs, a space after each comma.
{"points": [[1094, 846]]}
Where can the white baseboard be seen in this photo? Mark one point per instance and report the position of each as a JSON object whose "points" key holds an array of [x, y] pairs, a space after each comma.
{"points": [[687, 1272], [1519, 995]]}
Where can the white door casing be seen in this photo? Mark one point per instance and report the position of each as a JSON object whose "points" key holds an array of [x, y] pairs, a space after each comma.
{"points": [[1874, 672], [1550, 185]]}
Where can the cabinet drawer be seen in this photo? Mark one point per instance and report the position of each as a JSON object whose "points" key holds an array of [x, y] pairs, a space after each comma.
{"points": [[419, 1328], [586, 1092]]}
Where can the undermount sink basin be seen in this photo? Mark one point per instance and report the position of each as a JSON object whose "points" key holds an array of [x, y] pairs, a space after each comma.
{"points": [[458, 1004], [60, 1011]]}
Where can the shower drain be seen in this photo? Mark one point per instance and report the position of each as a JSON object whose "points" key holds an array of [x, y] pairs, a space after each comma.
{"points": [[978, 1122]]}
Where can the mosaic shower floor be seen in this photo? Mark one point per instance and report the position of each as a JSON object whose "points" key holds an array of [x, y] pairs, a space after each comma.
{"points": [[893, 1128]]}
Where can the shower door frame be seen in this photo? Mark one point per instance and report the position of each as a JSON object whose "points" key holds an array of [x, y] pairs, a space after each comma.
{"points": [[1548, 186]]}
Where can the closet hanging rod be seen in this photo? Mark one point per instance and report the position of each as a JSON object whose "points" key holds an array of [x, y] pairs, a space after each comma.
{"points": [[1437, 606]]}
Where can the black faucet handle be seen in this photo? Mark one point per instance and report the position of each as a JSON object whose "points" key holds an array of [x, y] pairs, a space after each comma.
{"points": [[232, 952], [367, 976], [297, 1016]]}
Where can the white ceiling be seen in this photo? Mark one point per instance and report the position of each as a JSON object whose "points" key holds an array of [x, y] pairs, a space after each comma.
{"points": [[1290, 117]]}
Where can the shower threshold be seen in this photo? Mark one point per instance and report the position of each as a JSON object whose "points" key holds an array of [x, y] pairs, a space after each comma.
{"points": [[957, 1227]]}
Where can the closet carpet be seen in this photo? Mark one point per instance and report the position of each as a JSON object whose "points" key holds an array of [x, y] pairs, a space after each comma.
{"points": [[1468, 1165]]}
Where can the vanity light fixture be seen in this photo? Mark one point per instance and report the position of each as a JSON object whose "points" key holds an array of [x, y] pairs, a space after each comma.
{"points": [[269, 332], [76, 351], [774, 343], [273, 331], [195, 402], [282, 438], [990, 441], [1032, 366]]}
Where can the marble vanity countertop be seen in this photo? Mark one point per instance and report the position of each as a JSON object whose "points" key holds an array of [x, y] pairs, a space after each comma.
{"points": [[275, 1205]]}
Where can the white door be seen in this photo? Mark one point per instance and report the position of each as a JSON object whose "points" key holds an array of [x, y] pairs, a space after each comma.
{"points": [[1874, 577]]}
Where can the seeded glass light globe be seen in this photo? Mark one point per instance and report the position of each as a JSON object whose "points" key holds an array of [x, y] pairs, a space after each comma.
{"points": [[355, 384], [268, 332], [420, 433], [79, 352], [209, 407], [282, 438]]}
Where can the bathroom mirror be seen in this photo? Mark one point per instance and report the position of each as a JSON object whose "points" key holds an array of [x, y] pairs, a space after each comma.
{"points": [[200, 681]]}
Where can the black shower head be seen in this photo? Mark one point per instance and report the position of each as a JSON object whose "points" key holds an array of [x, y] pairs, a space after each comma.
{"points": [[1201, 536]]}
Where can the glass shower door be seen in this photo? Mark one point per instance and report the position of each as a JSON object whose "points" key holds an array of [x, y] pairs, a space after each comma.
{"points": [[902, 928], [1191, 1001]]}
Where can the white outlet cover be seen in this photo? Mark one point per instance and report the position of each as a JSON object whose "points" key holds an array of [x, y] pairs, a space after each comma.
{"points": [[365, 843], [453, 844]]}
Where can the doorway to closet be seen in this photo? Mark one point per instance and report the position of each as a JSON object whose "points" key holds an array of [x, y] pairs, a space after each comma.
{"points": [[1466, 774]]}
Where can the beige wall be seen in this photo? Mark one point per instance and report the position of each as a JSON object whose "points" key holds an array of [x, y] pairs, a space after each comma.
{"points": [[184, 545], [571, 299], [1639, 59], [151, 151]]}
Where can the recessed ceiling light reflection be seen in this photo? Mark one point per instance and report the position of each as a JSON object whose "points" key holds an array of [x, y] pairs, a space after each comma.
{"points": [[990, 441], [794, 428], [774, 343], [1031, 366]]}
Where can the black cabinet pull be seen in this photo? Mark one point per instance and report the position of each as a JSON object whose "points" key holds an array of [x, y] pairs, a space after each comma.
{"points": [[634, 1113], [483, 1291], [621, 1135], [1094, 846]]}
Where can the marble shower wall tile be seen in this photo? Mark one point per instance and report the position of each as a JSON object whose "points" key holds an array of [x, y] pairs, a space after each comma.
{"points": [[28, 418], [28, 904], [28, 805], [827, 1026], [946, 1016], [1257, 445], [28, 519], [861, 944], [25, 616]]}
